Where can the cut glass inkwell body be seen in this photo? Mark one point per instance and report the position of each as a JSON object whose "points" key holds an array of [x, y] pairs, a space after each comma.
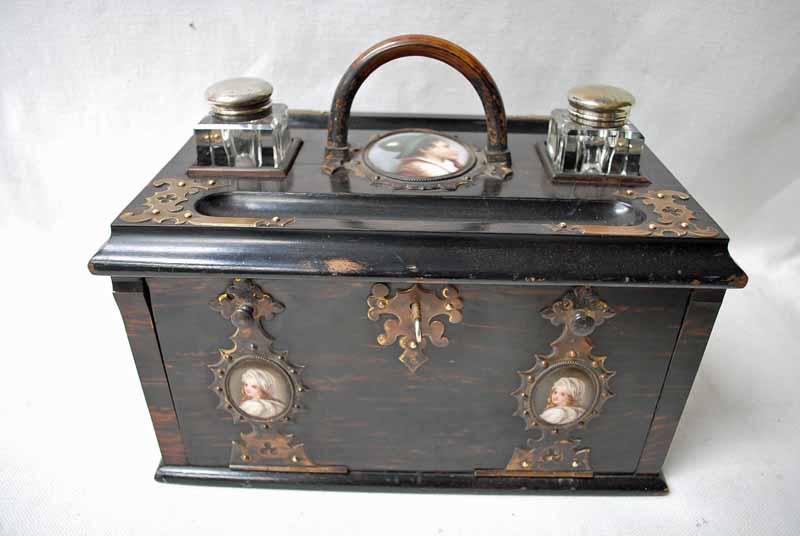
{"points": [[593, 136], [244, 128]]}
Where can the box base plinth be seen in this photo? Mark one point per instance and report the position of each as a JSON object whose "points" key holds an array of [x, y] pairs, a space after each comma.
{"points": [[410, 481]]}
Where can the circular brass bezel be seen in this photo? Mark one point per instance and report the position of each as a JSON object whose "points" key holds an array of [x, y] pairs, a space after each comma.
{"points": [[372, 167], [256, 361]]}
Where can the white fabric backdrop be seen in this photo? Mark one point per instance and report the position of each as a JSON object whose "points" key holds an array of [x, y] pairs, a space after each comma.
{"points": [[96, 96]]}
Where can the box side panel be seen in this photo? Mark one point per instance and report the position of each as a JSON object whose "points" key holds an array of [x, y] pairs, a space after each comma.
{"points": [[692, 340], [365, 410], [131, 297]]}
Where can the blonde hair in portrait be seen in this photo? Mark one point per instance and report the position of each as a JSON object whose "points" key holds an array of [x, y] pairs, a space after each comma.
{"points": [[257, 384], [566, 391]]}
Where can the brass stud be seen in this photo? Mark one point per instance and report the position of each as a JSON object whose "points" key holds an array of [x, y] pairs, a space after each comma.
{"points": [[572, 353], [381, 339], [562, 224], [652, 226], [292, 371], [245, 457], [595, 364], [684, 224], [412, 345], [660, 195], [182, 183], [295, 459], [629, 192], [221, 373], [300, 389], [381, 304], [530, 379], [212, 182], [276, 219], [446, 292], [265, 426], [575, 463], [526, 412], [448, 307], [253, 346], [155, 211], [524, 395], [219, 389], [187, 214], [526, 464]]}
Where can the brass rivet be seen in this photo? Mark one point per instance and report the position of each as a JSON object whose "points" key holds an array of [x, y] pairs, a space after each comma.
{"points": [[265, 427], [253, 346], [530, 378], [245, 457], [526, 464], [295, 459], [526, 412], [524, 395], [595, 364], [562, 224], [629, 192], [219, 389], [155, 211], [221, 373], [572, 353], [575, 463], [181, 183], [684, 224], [652, 226], [448, 307], [212, 182], [381, 339], [381, 304], [545, 364], [187, 214], [412, 345], [660, 195], [292, 371], [299, 389], [276, 219]]}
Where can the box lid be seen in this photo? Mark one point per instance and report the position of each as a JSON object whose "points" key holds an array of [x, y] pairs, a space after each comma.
{"points": [[526, 228]]}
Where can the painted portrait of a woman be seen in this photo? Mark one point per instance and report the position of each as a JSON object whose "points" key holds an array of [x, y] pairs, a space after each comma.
{"points": [[564, 404], [259, 394], [419, 155]]}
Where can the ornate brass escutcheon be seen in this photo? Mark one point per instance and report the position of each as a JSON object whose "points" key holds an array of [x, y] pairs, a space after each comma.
{"points": [[562, 392], [414, 310], [259, 386]]}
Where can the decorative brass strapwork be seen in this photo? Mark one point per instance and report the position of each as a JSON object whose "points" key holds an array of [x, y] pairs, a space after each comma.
{"points": [[673, 218], [168, 206], [258, 385], [414, 310], [563, 390]]}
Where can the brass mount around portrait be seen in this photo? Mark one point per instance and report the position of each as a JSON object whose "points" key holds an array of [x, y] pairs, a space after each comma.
{"points": [[579, 311], [476, 167], [414, 309], [264, 448]]}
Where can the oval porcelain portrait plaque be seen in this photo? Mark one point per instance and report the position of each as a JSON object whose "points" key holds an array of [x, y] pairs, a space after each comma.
{"points": [[418, 155]]}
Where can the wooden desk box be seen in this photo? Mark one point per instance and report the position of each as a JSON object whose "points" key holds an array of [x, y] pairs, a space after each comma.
{"points": [[548, 331]]}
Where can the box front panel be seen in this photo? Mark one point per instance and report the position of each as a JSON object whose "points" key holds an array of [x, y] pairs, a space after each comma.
{"points": [[364, 409]]}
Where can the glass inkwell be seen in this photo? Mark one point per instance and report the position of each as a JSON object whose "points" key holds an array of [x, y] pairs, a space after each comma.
{"points": [[593, 136], [244, 129]]}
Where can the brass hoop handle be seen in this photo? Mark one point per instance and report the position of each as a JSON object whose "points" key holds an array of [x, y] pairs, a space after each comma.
{"points": [[337, 150]]}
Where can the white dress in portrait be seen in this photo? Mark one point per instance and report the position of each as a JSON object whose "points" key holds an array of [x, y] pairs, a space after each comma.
{"points": [[562, 414], [262, 408]]}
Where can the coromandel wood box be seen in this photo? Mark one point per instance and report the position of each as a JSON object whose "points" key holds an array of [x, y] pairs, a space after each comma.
{"points": [[337, 300]]}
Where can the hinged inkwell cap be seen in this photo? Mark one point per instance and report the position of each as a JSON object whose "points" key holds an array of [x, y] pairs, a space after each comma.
{"points": [[593, 136], [600, 106], [244, 129], [240, 98]]}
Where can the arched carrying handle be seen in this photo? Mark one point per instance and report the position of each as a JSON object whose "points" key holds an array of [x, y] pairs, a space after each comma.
{"points": [[337, 150]]}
